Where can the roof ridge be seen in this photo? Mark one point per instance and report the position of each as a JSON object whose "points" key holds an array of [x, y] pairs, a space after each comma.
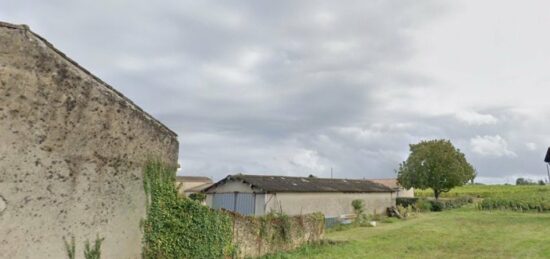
{"points": [[94, 77], [299, 177]]}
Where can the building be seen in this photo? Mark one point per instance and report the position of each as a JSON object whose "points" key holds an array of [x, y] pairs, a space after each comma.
{"points": [[392, 183], [261, 194], [192, 184], [72, 155]]}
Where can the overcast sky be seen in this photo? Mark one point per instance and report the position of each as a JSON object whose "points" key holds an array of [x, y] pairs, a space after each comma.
{"points": [[300, 87]]}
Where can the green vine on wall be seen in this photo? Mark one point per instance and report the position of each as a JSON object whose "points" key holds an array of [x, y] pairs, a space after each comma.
{"points": [[178, 227]]}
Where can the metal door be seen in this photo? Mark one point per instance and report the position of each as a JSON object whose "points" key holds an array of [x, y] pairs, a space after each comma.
{"points": [[223, 201], [246, 203]]}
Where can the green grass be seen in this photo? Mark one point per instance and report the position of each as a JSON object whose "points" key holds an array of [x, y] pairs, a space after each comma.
{"points": [[484, 191], [461, 233]]}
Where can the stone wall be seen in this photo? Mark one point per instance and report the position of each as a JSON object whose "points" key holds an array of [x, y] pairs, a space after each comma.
{"points": [[257, 236], [71, 154]]}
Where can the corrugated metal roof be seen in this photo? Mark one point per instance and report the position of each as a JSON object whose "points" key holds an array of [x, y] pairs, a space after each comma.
{"points": [[271, 183], [392, 183]]}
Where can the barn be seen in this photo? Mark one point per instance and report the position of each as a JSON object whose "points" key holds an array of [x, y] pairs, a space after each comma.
{"points": [[260, 194]]}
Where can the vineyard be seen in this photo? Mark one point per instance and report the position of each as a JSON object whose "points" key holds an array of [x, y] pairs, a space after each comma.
{"points": [[485, 191], [503, 197]]}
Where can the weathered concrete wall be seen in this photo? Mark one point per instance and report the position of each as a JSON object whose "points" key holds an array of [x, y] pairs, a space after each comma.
{"points": [[71, 154], [330, 204], [252, 241]]}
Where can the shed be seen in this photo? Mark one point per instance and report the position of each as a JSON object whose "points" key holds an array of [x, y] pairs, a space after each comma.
{"points": [[260, 194]]}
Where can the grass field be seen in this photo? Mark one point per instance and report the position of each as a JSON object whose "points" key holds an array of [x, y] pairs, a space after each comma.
{"points": [[484, 191], [460, 233]]}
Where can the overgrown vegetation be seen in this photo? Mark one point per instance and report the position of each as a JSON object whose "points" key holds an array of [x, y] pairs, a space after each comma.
{"points": [[275, 227], [70, 248], [95, 251], [89, 251], [198, 196], [359, 210], [178, 227], [423, 204]]}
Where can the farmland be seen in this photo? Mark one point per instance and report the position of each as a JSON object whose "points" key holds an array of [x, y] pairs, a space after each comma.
{"points": [[484, 191], [505, 222]]}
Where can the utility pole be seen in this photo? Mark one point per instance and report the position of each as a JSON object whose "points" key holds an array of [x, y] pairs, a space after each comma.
{"points": [[547, 160], [331, 173]]}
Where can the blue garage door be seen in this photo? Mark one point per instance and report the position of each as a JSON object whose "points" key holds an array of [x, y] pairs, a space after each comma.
{"points": [[245, 202], [223, 201]]}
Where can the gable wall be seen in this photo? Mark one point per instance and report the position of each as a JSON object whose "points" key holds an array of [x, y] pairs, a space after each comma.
{"points": [[72, 155]]}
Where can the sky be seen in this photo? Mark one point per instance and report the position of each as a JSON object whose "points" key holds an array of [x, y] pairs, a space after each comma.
{"points": [[306, 87]]}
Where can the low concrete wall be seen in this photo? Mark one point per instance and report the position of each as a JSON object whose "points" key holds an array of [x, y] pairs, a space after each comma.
{"points": [[252, 239], [72, 154]]}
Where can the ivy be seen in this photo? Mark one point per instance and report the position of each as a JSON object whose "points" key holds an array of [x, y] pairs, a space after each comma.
{"points": [[178, 227]]}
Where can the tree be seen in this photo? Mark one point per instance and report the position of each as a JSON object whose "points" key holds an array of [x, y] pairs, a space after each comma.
{"points": [[435, 164]]}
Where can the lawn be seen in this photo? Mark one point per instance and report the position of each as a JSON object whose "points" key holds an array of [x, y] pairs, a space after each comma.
{"points": [[460, 233]]}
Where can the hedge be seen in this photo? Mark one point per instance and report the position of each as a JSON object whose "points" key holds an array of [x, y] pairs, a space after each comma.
{"points": [[424, 204]]}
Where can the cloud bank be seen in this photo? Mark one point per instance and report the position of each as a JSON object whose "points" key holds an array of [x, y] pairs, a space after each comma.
{"points": [[299, 88]]}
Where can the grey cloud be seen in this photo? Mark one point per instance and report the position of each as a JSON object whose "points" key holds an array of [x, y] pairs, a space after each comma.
{"points": [[281, 87]]}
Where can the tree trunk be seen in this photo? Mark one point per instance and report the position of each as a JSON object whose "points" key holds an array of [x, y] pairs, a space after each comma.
{"points": [[436, 194]]}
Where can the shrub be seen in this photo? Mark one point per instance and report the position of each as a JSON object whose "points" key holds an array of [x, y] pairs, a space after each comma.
{"points": [[95, 251], [359, 210], [437, 205], [445, 204], [406, 201], [423, 205], [70, 248], [177, 227], [404, 211], [198, 196]]}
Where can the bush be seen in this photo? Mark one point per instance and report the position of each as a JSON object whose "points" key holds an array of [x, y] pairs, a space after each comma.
{"points": [[180, 228], [437, 205], [423, 205], [359, 209], [198, 196], [404, 211], [446, 204], [406, 201]]}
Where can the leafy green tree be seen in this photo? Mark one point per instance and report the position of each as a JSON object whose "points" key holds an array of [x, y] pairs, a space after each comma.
{"points": [[435, 164]]}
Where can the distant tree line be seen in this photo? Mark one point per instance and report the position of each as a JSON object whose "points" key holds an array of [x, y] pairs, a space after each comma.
{"points": [[526, 181]]}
